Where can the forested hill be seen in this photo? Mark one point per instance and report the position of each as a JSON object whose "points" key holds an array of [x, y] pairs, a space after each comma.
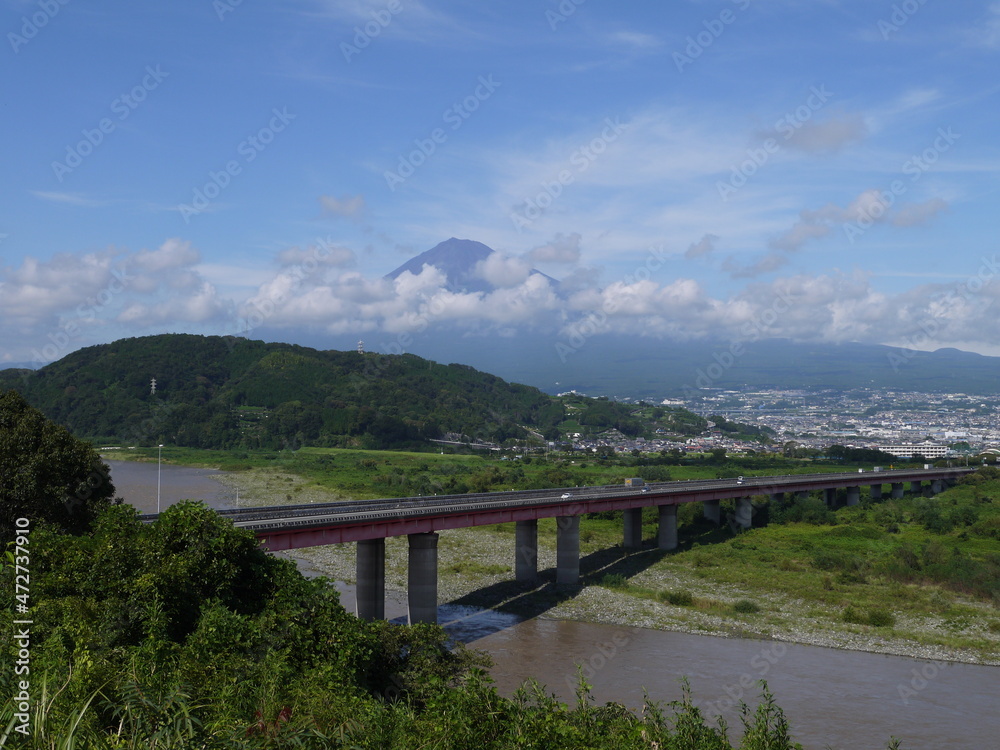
{"points": [[224, 392]]}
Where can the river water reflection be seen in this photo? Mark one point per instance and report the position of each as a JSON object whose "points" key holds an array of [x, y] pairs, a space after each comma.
{"points": [[135, 483], [844, 700]]}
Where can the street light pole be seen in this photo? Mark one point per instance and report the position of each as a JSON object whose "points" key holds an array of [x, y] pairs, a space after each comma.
{"points": [[159, 453]]}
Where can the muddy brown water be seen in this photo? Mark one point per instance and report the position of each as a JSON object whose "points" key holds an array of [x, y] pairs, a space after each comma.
{"points": [[843, 700], [135, 483]]}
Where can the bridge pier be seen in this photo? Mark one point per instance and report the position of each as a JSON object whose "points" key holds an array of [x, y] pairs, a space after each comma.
{"points": [[568, 550], [897, 490], [876, 491], [667, 532], [711, 510], [422, 578], [830, 497], [370, 595], [526, 541], [633, 528], [777, 497], [917, 488], [744, 512], [936, 486], [853, 496]]}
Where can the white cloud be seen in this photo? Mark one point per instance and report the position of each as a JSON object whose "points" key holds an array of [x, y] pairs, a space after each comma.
{"points": [[830, 134], [503, 270], [72, 199], [914, 214], [172, 254], [561, 249], [704, 246], [350, 206]]}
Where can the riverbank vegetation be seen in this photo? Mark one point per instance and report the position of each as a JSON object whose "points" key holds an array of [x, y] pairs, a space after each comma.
{"points": [[183, 634]]}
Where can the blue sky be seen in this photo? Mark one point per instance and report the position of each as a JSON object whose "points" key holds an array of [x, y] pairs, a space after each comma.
{"points": [[685, 167]]}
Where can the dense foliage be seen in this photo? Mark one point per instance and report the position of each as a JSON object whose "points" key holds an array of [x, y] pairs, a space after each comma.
{"points": [[184, 634], [46, 473], [218, 392]]}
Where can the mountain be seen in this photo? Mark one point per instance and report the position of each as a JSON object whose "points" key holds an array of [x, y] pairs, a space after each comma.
{"points": [[458, 259], [641, 367], [18, 365], [213, 391]]}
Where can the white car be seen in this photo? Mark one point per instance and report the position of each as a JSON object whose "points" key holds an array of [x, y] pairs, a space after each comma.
{"points": [[566, 496], [739, 480]]}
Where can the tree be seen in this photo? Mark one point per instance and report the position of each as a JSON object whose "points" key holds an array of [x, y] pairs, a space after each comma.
{"points": [[46, 473]]}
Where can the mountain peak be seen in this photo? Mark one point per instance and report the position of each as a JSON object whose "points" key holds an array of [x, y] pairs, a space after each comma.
{"points": [[458, 259]]}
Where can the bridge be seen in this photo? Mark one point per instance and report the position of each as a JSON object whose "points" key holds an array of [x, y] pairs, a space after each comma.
{"points": [[369, 522]]}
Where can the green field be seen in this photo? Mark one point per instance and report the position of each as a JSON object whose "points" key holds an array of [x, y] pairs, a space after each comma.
{"points": [[366, 474]]}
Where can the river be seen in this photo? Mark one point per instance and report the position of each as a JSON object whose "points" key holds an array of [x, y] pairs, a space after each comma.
{"points": [[843, 700]]}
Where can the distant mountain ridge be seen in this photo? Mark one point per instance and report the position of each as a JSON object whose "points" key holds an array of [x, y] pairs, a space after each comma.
{"points": [[639, 367]]}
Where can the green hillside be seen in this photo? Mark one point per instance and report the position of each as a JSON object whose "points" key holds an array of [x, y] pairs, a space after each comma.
{"points": [[223, 392]]}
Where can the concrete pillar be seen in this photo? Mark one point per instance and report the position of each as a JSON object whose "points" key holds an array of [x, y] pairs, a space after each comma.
{"points": [[917, 488], [370, 595], [667, 534], [422, 584], [802, 495], [936, 486], [744, 512], [897, 490], [777, 497], [568, 550], [633, 528], [876, 491], [711, 510], [853, 496], [830, 497], [526, 541]]}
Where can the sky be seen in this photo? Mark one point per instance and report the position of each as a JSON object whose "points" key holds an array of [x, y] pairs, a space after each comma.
{"points": [[819, 170]]}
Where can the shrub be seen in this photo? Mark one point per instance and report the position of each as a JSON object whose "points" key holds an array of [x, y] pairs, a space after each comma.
{"points": [[851, 615], [614, 581], [746, 607], [677, 598], [878, 618]]}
